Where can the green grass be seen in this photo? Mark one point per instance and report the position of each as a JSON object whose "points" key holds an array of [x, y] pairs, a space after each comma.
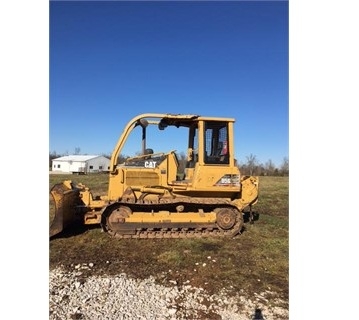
{"points": [[255, 261], [273, 196]]}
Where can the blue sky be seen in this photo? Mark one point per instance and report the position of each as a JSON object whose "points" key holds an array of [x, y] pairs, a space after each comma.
{"points": [[110, 61]]}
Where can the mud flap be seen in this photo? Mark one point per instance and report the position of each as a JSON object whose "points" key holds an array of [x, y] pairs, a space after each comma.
{"points": [[66, 199]]}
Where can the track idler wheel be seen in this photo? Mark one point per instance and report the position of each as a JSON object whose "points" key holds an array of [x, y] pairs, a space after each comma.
{"points": [[226, 218], [114, 219]]}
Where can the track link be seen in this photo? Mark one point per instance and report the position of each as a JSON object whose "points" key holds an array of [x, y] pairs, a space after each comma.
{"points": [[163, 234]]}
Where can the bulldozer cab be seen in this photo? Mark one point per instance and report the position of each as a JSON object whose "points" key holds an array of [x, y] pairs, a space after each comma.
{"points": [[208, 148], [209, 162], [208, 142]]}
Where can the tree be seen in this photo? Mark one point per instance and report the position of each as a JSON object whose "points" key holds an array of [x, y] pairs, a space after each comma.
{"points": [[251, 163], [121, 158], [284, 168], [52, 156], [269, 168]]}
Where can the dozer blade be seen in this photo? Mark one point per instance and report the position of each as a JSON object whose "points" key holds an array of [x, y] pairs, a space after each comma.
{"points": [[66, 199]]}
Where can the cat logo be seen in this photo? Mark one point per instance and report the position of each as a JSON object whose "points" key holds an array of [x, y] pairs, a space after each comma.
{"points": [[150, 164]]}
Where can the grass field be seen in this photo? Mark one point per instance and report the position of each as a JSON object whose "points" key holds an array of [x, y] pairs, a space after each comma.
{"points": [[256, 261]]}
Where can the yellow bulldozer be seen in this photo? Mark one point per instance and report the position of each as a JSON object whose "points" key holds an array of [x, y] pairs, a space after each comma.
{"points": [[148, 196]]}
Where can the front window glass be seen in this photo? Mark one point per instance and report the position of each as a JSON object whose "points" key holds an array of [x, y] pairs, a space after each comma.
{"points": [[216, 147]]}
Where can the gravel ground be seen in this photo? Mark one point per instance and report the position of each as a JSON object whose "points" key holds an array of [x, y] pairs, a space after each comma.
{"points": [[73, 296]]}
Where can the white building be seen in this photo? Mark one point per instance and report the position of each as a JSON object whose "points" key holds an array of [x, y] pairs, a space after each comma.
{"points": [[81, 164]]}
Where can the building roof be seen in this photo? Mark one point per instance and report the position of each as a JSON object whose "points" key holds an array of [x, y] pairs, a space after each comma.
{"points": [[77, 157]]}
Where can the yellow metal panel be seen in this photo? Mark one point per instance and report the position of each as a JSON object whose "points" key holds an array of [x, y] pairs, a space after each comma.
{"points": [[140, 177]]}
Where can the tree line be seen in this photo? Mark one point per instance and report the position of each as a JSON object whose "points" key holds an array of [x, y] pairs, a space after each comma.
{"points": [[250, 167], [253, 167]]}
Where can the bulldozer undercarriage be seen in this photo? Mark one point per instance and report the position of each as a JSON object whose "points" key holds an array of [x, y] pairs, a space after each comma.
{"points": [[172, 220], [148, 216]]}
